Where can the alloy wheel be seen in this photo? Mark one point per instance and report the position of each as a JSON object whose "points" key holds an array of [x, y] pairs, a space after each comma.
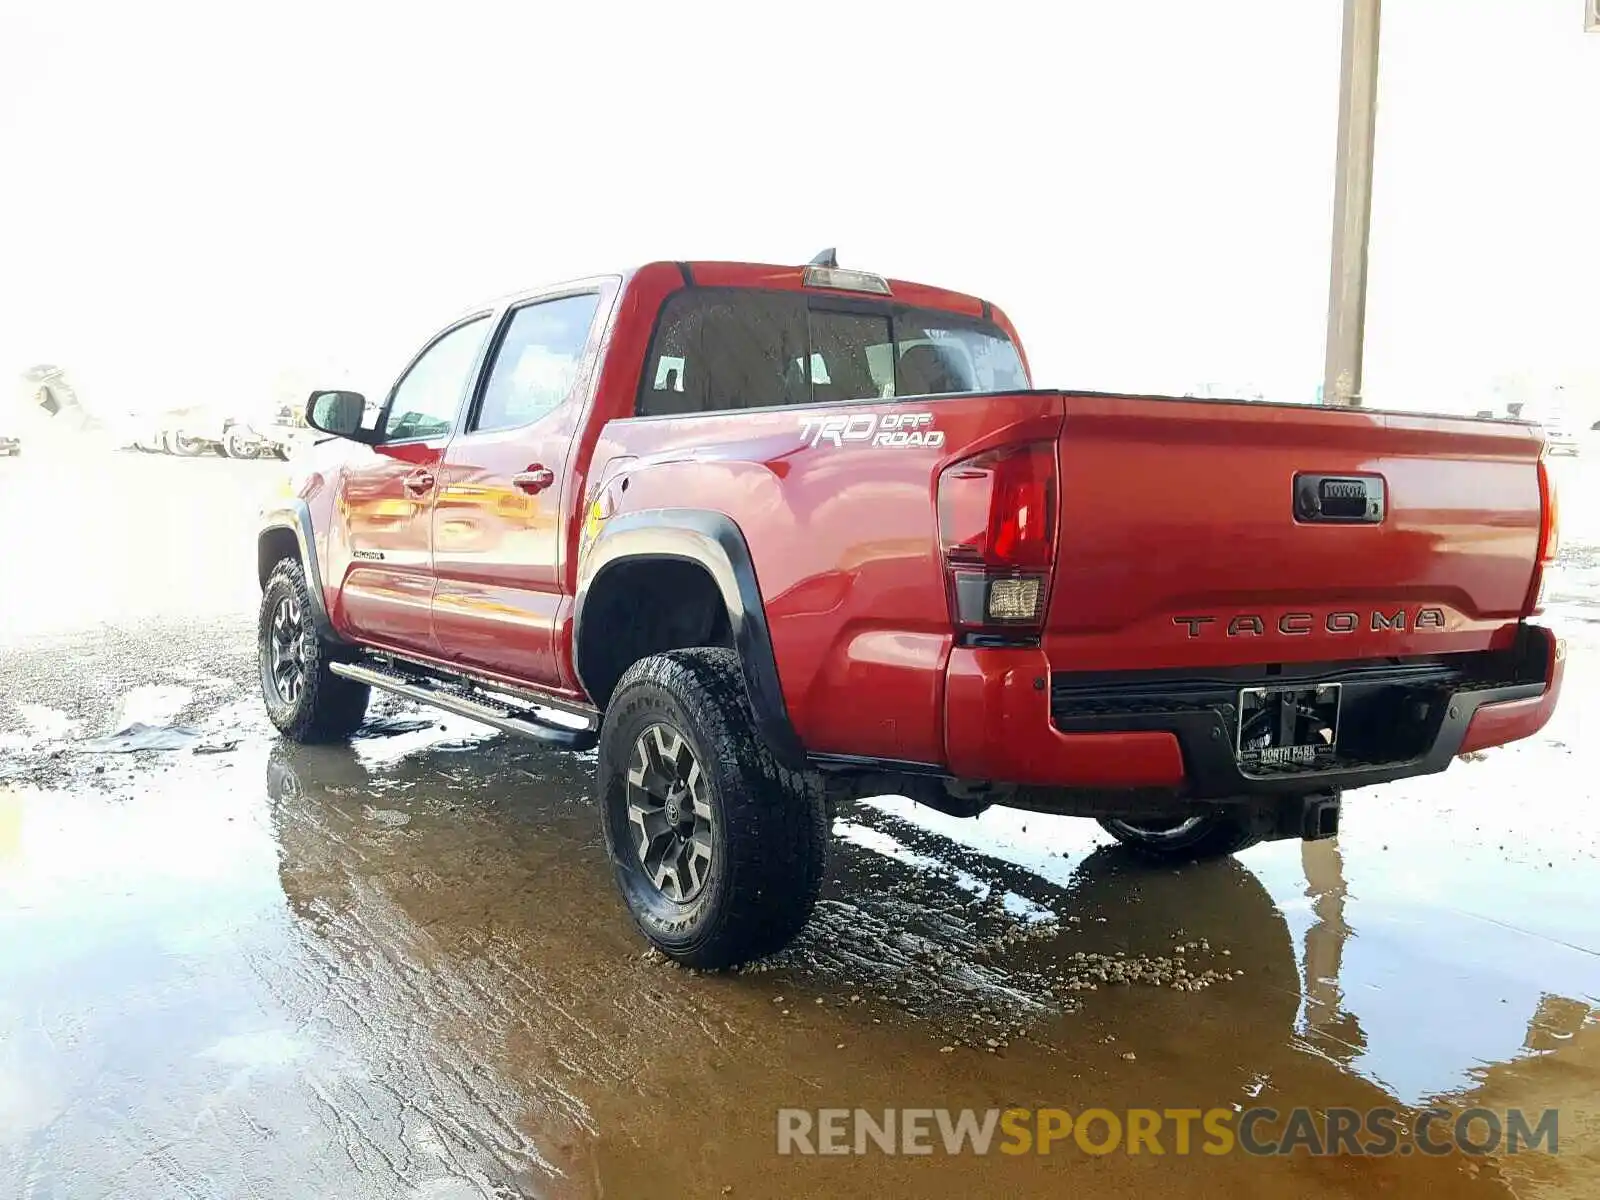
{"points": [[670, 814], [286, 650]]}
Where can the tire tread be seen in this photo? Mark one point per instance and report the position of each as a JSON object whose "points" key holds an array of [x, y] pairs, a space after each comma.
{"points": [[776, 828], [330, 707]]}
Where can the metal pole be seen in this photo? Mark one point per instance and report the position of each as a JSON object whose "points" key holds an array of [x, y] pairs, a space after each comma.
{"points": [[1352, 203]]}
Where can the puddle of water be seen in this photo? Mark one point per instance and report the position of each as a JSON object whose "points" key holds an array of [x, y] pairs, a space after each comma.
{"points": [[41, 725], [396, 738], [880, 842], [138, 736], [154, 966], [262, 1050], [1446, 912], [153, 704], [400, 968]]}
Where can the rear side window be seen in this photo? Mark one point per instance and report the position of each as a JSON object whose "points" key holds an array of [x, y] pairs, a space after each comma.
{"points": [[724, 348], [537, 361], [717, 350]]}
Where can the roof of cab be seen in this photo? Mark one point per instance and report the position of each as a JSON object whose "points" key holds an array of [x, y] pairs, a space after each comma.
{"points": [[792, 278], [775, 276]]}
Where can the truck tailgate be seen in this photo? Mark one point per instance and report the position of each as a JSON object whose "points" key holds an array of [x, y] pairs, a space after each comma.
{"points": [[1203, 534]]}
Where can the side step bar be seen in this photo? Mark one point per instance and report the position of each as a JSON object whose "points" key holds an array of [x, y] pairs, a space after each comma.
{"points": [[441, 695]]}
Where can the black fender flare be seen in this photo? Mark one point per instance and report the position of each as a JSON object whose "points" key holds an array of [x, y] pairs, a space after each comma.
{"points": [[712, 540], [295, 516]]}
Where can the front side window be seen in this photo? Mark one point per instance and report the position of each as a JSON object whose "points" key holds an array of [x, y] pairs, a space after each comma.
{"points": [[537, 362], [427, 399], [727, 348]]}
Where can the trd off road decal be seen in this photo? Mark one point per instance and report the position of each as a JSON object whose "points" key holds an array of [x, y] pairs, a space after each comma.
{"points": [[874, 429]]}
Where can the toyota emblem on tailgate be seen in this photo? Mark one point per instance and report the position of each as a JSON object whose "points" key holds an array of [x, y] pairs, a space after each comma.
{"points": [[1339, 499]]}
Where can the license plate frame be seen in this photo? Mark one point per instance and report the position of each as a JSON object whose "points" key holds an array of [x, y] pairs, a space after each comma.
{"points": [[1301, 721]]}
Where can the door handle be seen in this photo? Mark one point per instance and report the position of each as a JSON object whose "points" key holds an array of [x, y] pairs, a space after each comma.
{"points": [[535, 479], [419, 483]]}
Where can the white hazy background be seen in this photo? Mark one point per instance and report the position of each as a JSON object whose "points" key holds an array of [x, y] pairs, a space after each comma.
{"points": [[206, 202]]}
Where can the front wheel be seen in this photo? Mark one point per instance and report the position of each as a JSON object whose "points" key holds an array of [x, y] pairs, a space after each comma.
{"points": [[1183, 839], [305, 700], [718, 851]]}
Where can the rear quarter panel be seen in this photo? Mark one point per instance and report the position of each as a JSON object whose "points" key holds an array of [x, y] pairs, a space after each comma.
{"points": [[844, 540]]}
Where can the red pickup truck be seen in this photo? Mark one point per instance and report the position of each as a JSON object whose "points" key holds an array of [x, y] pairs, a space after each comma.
{"points": [[774, 536]]}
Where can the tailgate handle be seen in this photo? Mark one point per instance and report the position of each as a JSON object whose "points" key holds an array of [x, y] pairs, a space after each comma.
{"points": [[1339, 499]]}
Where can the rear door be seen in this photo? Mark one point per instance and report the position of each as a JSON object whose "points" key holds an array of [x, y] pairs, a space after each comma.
{"points": [[387, 494], [501, 512]]}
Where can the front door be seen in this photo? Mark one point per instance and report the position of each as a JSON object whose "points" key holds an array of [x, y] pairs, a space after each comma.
{"points": [[499, 521], [386, 497]]}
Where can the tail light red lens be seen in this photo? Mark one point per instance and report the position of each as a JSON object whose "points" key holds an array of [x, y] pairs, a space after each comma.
{"points": [[998, 509], [1550, 530], [997, 533], [1549, 536]]}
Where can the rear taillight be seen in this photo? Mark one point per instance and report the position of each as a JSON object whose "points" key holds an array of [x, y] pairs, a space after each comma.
{"points": [[1549, 537], [997, 535]]}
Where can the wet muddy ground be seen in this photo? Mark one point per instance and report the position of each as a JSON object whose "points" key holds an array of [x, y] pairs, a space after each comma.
{"points": [[231, 967]]}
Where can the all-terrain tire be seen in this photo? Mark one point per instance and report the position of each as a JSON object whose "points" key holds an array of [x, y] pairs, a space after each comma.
{"points": [[1214, 835], [769, 834], [325, 707]]}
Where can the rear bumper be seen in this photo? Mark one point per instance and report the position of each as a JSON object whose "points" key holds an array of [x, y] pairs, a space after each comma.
{"points": [[1005, 722]]}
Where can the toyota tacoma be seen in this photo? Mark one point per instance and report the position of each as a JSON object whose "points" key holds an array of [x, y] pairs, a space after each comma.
{"points": [[768, 538]]}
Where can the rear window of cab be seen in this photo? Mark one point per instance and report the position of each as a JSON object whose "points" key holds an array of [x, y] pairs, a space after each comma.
{"points": [[717, 349]]}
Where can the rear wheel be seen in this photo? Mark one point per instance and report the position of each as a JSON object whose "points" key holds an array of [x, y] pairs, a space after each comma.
{"points": [[305, 700], [1181, 839], [718, 851], [179, 443], [236, 445]]}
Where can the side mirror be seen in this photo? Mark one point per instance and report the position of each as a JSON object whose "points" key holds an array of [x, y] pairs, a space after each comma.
{"points": [[338, 413]]}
